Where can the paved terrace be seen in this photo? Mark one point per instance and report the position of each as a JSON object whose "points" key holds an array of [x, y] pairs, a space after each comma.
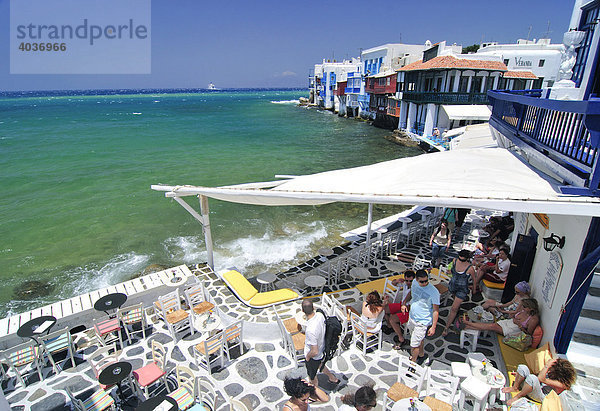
{"points": [[256, 376]]}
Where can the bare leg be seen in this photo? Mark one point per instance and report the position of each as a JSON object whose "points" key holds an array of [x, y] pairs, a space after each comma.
{"points": [[395, 323], [414, 353], [516, 384], [484, 326], [523, 393], [452, 315], [329, 374], [421, 349]]}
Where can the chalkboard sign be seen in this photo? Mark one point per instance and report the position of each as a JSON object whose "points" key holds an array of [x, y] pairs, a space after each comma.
{"points": [[551, 278]]}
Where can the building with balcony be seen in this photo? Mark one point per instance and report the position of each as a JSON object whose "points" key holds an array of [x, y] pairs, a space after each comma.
{"points": [[326, 77]]}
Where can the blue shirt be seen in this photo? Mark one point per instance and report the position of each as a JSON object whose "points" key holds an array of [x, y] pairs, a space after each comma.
{"points": [[423, 299]]}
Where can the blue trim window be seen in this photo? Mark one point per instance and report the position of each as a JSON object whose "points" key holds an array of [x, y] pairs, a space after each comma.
{"points": [[588, 23]]}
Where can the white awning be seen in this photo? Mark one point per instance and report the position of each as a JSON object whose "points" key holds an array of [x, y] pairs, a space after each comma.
{"points": [[491, 178], [470, 112]]}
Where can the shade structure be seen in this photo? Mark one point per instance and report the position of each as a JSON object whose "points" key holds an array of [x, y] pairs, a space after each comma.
{"points": [[467, 112], [458, 178]]}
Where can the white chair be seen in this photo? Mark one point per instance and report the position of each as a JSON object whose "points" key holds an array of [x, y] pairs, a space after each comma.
{"points": [[131, 317], [176, 319], [196, 298], [22, 358], [209, 352], [411, 378], [57, 342], [208, 395], [185, 394], [341, 313], [327, 304], [233, 336], [153, 371], [235, 405], [420, 263], [390, 290], [364, 337], [475, 390], [98, 401], [442, 385], [107, 330]]}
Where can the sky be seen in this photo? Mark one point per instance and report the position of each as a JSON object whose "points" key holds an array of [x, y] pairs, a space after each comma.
{"points": [[274, 43]]}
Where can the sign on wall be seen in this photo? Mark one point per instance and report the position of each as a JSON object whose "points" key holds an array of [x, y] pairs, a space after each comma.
{"points": [[555, 265]]}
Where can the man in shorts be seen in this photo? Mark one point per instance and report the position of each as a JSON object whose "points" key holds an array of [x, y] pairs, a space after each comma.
{"points": [[423, 314], [394, 309], [314, 344]]}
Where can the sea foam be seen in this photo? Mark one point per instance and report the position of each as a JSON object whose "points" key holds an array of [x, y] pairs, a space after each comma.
{"points": [[286, 102]]}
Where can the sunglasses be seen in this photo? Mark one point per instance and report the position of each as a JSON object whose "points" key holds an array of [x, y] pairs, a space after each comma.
{"points": [[424, 281]]}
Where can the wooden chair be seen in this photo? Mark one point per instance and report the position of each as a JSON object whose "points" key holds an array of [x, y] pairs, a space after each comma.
{"points": [[107, 330], [235, 405], [56, 342], [363, 337], [207, 393], [210, 351], [132, 316], [175, 317], [98, 401], [437, 405], [411, 378], [390, 290], [233, 336], [327, 304], [22, 358], [102, 358], [153, 371], [185, 392]]}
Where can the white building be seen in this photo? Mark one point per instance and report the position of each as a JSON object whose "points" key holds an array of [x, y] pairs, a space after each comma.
{"points": [[326, 77], [540, 57]]}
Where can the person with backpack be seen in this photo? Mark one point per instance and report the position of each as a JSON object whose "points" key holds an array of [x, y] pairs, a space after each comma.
{"points": [[314, 345]]}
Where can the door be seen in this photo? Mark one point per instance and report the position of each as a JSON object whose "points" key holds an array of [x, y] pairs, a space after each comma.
{"points": [[520, 265]]}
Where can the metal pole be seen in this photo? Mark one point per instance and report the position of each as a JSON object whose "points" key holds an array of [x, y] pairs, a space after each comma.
{"points": [[206, 229], [369, 221]]}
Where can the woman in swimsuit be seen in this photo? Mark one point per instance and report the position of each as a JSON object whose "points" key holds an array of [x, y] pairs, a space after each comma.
{"points": [[522, 291], [372, 311], [301, 394], [525, 319]]}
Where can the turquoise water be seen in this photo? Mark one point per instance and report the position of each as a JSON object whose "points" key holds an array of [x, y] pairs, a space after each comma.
{"points": [[76, 206]]}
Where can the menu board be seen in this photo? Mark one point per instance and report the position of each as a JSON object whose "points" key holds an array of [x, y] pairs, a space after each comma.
{"points": [[551, 278]]}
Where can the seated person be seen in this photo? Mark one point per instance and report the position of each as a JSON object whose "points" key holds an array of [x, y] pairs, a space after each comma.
{"points": [[395, 309], [372, 311], [522, 291], [462, 271], [301, 393], [525, 318], [488, 251], [496, 273], [500, 226], [558, 375]]}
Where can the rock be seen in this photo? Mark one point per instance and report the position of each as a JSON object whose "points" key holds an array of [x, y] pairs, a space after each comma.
{"points": [[384, 365], [358, 364], [233, 390], [20, 396], [363, 379], [134, 351], [454, 357], [152, 268], [32, 289], [54, 402], [251, 401], [375, 371], [159, 337], [76, 384], [221, 375], [270, 360], [264, 347], [342, 365], [458, 349], [252, 370], [271, 394], [283, 362], [177, 355]]}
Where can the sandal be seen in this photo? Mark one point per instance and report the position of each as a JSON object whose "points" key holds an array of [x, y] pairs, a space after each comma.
{"points": [[459, 324]]}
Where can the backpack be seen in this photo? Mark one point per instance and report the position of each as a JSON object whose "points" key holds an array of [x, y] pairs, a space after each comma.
{"points": [[333, 329]]}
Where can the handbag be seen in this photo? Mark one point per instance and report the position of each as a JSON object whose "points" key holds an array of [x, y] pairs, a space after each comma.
{"points": [[521, 341]]}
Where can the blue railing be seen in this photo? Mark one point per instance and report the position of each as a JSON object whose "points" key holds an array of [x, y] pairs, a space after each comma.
{"points": [[567, 132]]}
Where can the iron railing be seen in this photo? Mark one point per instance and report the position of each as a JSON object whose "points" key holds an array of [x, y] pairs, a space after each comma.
{"points": [[444, 98]]}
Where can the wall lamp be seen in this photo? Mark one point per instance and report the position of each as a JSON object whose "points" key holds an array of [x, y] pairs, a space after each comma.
{"points": [[550, 243]]}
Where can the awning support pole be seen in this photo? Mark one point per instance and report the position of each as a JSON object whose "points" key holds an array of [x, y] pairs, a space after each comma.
{"points": [[203, 219], [369, 221]]}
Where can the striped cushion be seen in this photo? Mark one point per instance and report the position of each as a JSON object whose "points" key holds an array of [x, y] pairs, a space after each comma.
{"points": [[99, 401], [107, 326], [183, 398], [58, 344], [24, 356]]}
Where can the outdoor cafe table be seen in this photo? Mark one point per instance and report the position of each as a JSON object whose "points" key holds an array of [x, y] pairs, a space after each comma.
{"points": [[110, 302], [36, 326], [360, 273], [395, 266], [405, 221], [404, 405], [207, 322], [114, 374], [492, 377], [165, 403]]}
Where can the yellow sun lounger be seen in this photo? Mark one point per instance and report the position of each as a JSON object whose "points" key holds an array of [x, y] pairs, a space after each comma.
{"points": [[250, 296]]}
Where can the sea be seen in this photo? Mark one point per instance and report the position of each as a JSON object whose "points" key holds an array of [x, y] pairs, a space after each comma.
{"points": [[77, 212]]}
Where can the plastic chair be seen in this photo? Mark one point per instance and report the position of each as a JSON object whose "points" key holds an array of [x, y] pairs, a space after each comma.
{"points": [[185, 393], [154, 371], [411, 378], [175, 317], [21, 357], [56, 342], [364, 337], [98, 401], [131, 316], [210, 351], [442, 386]]}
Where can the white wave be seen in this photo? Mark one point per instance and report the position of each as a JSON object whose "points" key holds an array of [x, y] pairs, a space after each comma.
{"points": [[188, 249], [137, 114], [286, 102]]}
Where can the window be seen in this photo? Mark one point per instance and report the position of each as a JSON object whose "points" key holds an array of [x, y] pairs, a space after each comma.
{"points": [[541, 63], [587, 24], [463, 84], [506, 62], [388, 81]]}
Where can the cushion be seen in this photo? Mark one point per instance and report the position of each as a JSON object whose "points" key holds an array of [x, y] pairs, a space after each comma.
{"points": [[491, 284], [148, 374], [99, 400], [240, 284], [183, 398], [536, 360], [551, 402], [272, 297], [537, 335]]}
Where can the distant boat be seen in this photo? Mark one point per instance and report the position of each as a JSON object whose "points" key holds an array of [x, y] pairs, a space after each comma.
{"points": [[211, 86]]}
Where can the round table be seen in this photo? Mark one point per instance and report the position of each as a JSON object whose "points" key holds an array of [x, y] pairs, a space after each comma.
{"points": [[110, 302], [316, 282], [404, 405], [114, 374], [154, 402], [207, 322], [325, 252], [395, 266], [492, 377], [266, 281], [424, 214], [360, 272], [36, 326], [405, 221]]}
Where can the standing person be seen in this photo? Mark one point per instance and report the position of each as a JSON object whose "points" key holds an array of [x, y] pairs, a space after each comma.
{"points": [[440, 242], [314, 344], [364, 399], [450, 215], [396, 311], [423, 314], [462, 270], [301, 393]]}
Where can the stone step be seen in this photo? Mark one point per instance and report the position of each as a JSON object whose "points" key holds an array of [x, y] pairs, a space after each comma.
{"points": [[595, 291], [590, 314], [587, 339], [592, 303], [586, 325]]}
